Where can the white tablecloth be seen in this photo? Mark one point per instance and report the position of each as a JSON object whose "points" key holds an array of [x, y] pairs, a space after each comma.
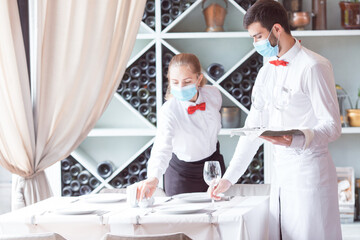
{"points": [[240, 218]]}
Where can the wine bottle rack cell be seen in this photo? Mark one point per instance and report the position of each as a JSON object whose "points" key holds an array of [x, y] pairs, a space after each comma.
{"points": [[245, 4], [240, 82], [138, 85], [75, 179], [172, 9], [136, 171], [254, 174]]}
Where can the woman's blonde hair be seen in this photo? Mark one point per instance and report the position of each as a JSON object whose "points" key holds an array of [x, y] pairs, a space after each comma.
{"points": [[184, 59]]}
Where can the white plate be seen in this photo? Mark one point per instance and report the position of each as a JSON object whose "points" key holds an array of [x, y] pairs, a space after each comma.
{"points": [[196, 197], [78, 210], [104, 198], [181, 208]]}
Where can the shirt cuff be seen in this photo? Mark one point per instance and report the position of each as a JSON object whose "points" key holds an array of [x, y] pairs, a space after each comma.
{"points": [[298, 142], [155, 173]]}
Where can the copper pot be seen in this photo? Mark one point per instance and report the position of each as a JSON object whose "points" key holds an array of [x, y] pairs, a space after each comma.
{"points": [[299, 20], [353, 117], [214, 17]]}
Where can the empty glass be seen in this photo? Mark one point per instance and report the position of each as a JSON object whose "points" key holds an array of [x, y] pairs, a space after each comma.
{"points": [[212, 174]]}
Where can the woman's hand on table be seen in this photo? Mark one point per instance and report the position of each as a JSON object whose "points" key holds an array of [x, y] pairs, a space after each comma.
{"points": [[221, 187], [146, 188]]}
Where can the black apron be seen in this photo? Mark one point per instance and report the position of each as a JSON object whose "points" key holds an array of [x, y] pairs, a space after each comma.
{"points": [[186, 177]]}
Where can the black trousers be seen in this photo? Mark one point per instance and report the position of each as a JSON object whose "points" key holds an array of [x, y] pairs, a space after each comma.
{"points": [[186, 177]]}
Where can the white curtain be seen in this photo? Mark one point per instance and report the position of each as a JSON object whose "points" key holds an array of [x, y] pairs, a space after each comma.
{"points": [[82, 50]]}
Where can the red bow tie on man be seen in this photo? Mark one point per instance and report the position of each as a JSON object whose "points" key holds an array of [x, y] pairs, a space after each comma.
{"points": [[201, 107], [278, 62]]}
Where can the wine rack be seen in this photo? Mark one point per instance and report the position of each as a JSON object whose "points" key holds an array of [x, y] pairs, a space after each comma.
{"points": [[138, 85], [254, 174], [75, 179], [240, 82]]}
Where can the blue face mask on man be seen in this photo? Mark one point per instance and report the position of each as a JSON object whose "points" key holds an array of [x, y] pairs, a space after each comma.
{"points": [[264, 47], [184, 93]]}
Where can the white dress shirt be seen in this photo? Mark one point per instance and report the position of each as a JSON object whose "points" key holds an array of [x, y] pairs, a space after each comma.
{"points": [[192, 137], [313, 106]]}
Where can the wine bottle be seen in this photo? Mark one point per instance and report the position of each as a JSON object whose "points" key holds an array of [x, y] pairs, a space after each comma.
{"points": [[148, 152], [261, 172], [255, 166], [150, 56], [261, 156], [144, 16], [143, 64], [120, 88], [135, 102], [166, 58], [165, 71], [135, 72], [246, 174], [126, 94], [66, 191], [165, 5], [143, 174], [236, 77], [134, 85], [144, 79], [150, 6], [133, 179], [66, 178], [105, 169], [228, 86], [117, 182], [253, 76], [151, 100], [166, 20], [151, 72], [84, 177], [75, 185], [66, 164], [176, 2], [253, 63], [260, 59], [245, 181], [151, 86], [142, 160], [246, 85], [215, 70], [144, 109], [85, 189], [134, 168], [93, 182], [152, 118], [143, 93], [237, 93], [175, 11], [245, 4], [124, 174], [126, 77], [255, 178], [245, 70], [150, 21], [75, 169], [245, 101]]}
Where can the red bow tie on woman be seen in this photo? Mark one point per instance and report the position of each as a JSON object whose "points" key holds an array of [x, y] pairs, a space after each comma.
{"points": [[201, 107], [279, 62]]}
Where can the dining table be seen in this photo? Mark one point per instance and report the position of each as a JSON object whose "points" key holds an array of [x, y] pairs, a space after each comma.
{"points": [[92, 216]]}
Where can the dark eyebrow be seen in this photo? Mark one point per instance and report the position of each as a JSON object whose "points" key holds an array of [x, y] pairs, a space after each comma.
{"points": [[255, 34]]}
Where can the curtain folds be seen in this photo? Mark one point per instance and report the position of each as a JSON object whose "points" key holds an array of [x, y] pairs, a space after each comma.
{"points": [[82, 50]]}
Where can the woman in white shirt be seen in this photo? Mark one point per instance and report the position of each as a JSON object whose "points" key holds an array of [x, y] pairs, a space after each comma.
{"points": [[187, 129]]}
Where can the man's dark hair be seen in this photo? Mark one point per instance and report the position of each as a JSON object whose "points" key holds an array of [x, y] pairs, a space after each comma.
{"points": [[267, 13]]}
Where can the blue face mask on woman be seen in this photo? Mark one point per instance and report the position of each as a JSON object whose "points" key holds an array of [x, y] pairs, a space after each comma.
{"points": [[264, 47], [184, 93]]}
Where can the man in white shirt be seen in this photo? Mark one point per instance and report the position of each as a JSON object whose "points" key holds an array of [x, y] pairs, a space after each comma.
{"points": [[298, 89]]}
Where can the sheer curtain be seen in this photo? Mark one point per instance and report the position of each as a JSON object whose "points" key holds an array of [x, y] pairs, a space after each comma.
{"points": [[82, 48]]}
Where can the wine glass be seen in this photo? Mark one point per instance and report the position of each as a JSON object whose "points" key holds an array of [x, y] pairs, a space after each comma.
{"points": [[212, 174], [258, 101], [282, 96]]}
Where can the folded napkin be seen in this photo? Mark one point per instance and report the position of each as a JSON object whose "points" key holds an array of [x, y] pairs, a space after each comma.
{"points": [[131, 192]]}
